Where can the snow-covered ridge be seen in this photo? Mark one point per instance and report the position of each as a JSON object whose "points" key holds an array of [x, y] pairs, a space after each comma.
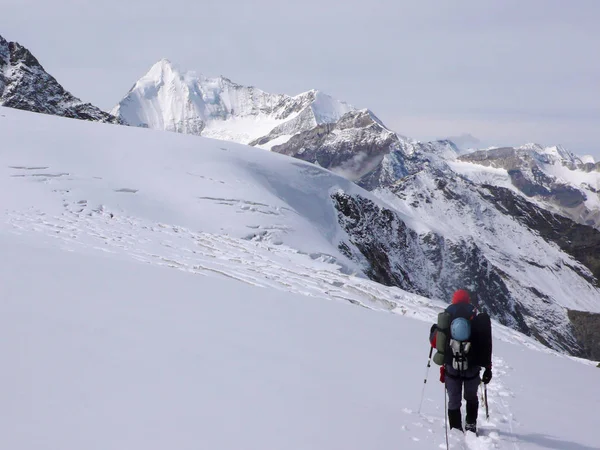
{"points": [[167, 98], [553, 177]]}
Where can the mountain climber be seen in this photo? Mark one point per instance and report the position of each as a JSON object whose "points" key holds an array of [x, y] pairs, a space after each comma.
{"points": [[463, 339]]}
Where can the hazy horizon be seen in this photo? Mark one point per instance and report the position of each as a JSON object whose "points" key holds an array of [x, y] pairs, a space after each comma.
{"points": [[505, 73]]}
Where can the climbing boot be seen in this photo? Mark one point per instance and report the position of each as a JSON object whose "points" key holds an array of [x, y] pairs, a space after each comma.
{"points": [[455, 419]]}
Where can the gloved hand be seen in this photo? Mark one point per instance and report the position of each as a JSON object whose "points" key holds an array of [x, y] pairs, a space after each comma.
{"points": [[487, 375], [442, 374]]}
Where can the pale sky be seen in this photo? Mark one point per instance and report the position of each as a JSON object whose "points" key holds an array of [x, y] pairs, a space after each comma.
{"points": [[508, 72]]}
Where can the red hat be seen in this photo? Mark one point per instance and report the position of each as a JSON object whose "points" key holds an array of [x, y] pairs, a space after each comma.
{"points": [[461, 296]]}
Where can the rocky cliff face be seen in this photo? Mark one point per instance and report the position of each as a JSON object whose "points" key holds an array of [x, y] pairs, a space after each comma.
{"points": [[353, 146], [24, 84], [528, 265], [428, 264], [580, 241], [361, 148], [434, 265], [586, 327]]}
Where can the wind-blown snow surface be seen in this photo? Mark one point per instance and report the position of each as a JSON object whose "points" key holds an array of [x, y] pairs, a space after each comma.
{"points": [[200, 184], [168, 99], [199, 205], [104, 347], [107, 353]]}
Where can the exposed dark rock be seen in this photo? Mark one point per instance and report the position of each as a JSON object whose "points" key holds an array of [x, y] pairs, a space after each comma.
{"points": [[528, 187], [365, 141], [589, 167], [428, 265], [586, 326], [580, 241], [24, 84], [505, 157]]}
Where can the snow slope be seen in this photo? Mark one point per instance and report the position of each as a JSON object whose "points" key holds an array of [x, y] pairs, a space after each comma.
{"points": [[109, 353], [168, 99], [107, 347], [199, 205], [181, 180]]}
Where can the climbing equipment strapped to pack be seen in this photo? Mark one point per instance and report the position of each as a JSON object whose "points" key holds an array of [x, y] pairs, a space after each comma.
{"points": [[460, 333]]}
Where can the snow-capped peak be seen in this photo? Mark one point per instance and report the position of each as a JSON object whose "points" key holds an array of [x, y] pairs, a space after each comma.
{"points": [[558, 151], [166, 98], [327, 109], [531, 146], [161, 68], [555, 153]]}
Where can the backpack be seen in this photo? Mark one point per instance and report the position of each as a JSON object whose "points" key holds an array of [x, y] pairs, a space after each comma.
{"points": [[463, 338], [460, 344]]}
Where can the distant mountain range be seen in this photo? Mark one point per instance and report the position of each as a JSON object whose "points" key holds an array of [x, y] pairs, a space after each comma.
{"points": [[517, 226]]}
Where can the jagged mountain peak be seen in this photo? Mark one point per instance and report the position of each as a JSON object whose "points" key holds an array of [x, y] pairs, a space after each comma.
{"points": [[165, 71], [162, 69], [24, 84], [360, 118], [21, 55], [168, 98], [13, 54], [556, 153]]}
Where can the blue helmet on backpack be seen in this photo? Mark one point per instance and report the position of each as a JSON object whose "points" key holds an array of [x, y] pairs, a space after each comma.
{"points": [[460, 329]]}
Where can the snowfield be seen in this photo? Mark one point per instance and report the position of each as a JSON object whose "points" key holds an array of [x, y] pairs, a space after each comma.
{"points": [[263, 337]]}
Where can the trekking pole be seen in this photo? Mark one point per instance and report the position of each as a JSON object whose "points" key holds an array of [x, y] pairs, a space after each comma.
{"points": [[446, 415], [425, 380], [487, 411]]}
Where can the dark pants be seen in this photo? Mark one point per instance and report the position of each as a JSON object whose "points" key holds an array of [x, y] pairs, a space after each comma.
{"points": [[455, 385]]}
